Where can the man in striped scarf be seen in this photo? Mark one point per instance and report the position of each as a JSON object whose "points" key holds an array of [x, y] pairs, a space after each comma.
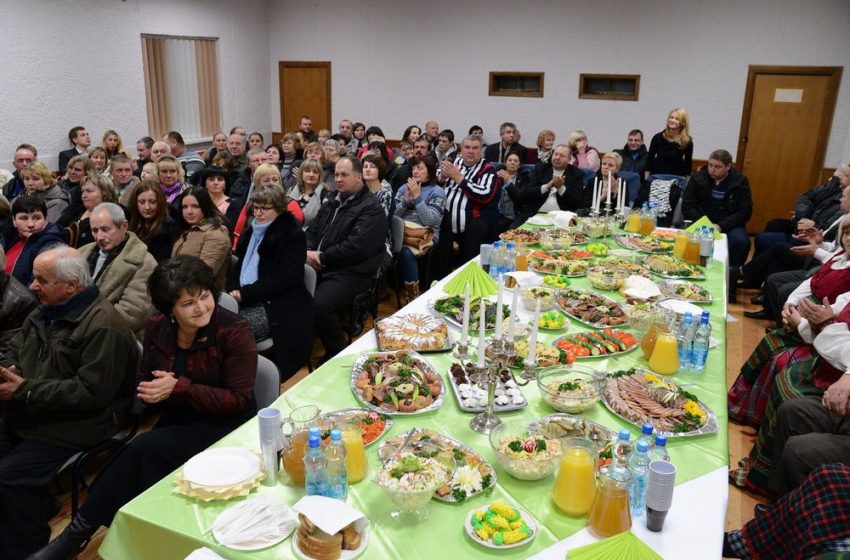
{"points": [[472, 195]]}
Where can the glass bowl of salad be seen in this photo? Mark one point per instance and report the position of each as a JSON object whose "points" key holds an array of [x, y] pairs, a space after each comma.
{"points": [[523, 454], [572, 390]]}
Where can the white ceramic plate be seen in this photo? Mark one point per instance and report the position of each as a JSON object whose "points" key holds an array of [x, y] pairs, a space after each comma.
{"points": [[346, 554], [539, 220], [224, 466], [470, 531], [281, 532]]}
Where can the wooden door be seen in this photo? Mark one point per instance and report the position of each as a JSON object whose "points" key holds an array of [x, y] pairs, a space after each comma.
{"points": [[305, 89], [784, 131]]}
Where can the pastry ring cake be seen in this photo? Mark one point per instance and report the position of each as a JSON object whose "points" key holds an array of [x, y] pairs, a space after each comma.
{"points": [[414, 331]]}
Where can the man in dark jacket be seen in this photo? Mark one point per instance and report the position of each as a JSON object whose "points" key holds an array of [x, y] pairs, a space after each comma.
{"points": [[508, 144], [25, 154], [345, 244], [66, 382], [81, 141], [721, 193], [634, 153], [555, 185]]}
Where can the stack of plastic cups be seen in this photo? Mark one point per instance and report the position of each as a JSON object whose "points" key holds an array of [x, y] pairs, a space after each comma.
{"points": [[659, 493], [271, 443]]}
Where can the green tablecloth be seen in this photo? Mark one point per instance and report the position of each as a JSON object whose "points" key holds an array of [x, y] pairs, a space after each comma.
{"points": [[160, 524]]}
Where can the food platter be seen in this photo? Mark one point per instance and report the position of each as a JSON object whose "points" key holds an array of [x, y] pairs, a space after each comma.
{"points": [[524, 516], [573, 253], [625, 264], [391, 393], [562, 425], [414, 331], [643, 243], [526, 236], [468, 393], [456, 456], [366, 417], [639, 396], [451, 309], [563, 267], [598, 344], [687, 291], [668, 266], [591, 309]]}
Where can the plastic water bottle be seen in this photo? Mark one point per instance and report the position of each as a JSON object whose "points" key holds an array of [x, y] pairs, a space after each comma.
{"points": [[509, 264], [645, 435], [659, 451], [497, 259], [315, 478], [699, 350], [706, 246], [335, 472], [639, 469], [684, 339], [621, 451]]}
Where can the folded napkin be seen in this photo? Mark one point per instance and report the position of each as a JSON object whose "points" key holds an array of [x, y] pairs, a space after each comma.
{"points": [[254, 523], [480, 283], [204, 554], [329, 515], [625, 546], [704, 221], [563, 219]]}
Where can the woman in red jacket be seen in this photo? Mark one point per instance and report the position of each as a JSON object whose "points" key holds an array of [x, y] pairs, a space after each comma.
{"points": [[198, 367]]}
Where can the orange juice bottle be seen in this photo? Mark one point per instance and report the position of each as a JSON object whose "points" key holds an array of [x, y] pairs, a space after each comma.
{"points": [[575, 486], [665, 356], [610, 513], [691, 254], [681, 242]]}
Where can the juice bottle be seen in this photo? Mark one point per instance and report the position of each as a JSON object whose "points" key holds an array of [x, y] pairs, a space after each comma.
{"points": [[575, 486], [665, 356], [692, 249], [681, 242], [610, 514], [633, 223], [293, 457], [355, 453]]}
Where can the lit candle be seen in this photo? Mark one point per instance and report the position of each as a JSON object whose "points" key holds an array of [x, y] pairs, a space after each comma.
{"points": [[512, 320], [498, 333], [608, 196], [532, 346], [464, 335], [481, 328]]}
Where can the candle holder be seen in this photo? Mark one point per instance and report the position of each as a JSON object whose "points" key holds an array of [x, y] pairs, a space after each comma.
{"points": [[461, 352], [529, 371], [499, 355]]}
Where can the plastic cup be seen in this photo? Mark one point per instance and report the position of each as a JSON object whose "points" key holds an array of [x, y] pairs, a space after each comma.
{"points": [[655, 519], [484, 254]]}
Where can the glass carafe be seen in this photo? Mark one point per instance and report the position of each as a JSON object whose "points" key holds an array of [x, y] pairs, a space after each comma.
{"points": [[575, 485], [610, 513], [299, 422], [660, 324]]}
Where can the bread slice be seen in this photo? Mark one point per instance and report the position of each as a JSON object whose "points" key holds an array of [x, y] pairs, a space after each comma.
{"points": [[350, 538], [317, 544]]}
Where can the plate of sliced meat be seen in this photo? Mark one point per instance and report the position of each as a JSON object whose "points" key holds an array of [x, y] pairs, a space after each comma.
{"points": [[639, 396]]}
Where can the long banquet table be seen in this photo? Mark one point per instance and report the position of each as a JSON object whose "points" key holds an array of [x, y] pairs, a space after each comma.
{"points": [[162, 525]]}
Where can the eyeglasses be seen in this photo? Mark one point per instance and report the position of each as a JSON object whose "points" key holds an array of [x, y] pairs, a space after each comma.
{"points": [[262, 208]]}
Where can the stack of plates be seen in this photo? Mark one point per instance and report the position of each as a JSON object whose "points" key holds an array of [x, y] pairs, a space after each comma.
{"points": [[220, 474]]}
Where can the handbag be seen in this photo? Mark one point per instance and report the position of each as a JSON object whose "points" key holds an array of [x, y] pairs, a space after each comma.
{"points": [[418, 238]]}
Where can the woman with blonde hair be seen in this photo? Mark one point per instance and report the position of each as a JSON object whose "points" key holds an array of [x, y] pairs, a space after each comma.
{"points": [[671, 151], [545, 143], [583, 156], [95, 189], [99, 159], [171, 179], [219, 145], [113, 145], [39, 181], [309, 191]]}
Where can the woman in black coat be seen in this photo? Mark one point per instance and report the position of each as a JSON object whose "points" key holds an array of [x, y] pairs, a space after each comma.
{"points": [[268, 280]]}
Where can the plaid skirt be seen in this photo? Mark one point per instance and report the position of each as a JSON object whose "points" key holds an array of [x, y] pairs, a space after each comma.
{"points": [[778, 349], [805, 521], [790, 383]]}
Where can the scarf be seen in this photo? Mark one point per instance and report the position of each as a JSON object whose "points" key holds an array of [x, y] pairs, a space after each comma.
{"points": [[251, 260], [171, 192]]}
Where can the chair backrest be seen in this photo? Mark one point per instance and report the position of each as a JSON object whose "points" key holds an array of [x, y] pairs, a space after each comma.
{"points": [[397, 234], [267, 383], [310, 279], [226, 301]]}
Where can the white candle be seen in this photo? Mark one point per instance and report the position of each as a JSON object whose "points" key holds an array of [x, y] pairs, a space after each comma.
{"points": [[595, 193], [620, 197], [481, 328], [464, 335], [499, 306], [608, 196], [512, 320], [532, 346]]}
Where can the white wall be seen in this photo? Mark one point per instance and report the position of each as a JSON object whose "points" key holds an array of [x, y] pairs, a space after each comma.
{"points": [[398, 63], [66, 63]]}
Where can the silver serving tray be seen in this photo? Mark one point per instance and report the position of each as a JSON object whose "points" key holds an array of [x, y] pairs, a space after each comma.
{"points": [[404, 440], [674, 276], [586, 427], [496, 407], [358, 367], [388, 422], [537, 270], [623, 241], [609, 354], [668, 289], [709, 427], [589, 324], [449, 344]]}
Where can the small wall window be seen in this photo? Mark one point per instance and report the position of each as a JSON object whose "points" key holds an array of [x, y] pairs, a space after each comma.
{"points": [[621, 87], [516, 84]]}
